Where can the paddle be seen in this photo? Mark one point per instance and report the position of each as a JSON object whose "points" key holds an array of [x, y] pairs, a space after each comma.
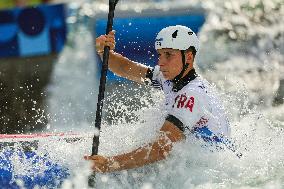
{"points": [[112, 4]]}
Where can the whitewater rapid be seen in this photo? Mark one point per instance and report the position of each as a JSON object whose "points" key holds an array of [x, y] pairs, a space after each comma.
{"points": [[246, 69]]}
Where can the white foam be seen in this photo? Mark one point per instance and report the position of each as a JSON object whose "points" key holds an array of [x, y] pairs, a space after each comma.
{"points": [[241, 55]]}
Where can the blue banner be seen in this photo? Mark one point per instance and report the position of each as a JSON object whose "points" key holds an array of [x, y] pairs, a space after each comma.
{"points": [[32, 31], [135, 37]]}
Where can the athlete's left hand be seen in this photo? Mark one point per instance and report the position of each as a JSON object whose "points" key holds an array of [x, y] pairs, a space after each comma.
{"points": [[99, 163]]}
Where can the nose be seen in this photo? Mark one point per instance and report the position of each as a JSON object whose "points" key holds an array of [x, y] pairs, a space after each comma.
{"points": [[161, 61]]}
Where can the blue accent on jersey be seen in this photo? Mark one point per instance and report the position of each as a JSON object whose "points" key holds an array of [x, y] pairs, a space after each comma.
{"points": [[208, 136]]}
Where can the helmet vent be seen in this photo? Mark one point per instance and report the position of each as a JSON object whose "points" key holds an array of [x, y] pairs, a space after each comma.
{"points": [[174, 35], [190, 33]]}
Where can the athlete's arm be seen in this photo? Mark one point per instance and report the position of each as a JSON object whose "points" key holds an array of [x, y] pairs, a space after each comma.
{"points": [[119, 64], [155, 151]]}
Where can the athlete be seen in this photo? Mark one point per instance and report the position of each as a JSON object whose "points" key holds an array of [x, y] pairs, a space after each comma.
{"points": [[192, 106]]}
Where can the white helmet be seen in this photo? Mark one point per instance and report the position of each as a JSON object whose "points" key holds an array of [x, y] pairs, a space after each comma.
{"points": [[176, 37]]}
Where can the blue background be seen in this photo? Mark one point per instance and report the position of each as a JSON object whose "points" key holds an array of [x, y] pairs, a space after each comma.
{"points": [[135, 37]]}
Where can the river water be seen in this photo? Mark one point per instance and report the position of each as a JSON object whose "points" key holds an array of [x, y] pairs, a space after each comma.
{"points": [[242, 47]]}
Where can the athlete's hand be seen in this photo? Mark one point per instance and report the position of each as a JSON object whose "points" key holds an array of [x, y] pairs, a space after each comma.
{"points": [[99, 163], [105, 40]]}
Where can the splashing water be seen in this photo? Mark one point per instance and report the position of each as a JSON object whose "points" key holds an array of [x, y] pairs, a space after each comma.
{"points": [[242, 55]]}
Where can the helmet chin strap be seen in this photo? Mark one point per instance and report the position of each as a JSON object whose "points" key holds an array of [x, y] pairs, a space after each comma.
{"points": [[184, 67]]}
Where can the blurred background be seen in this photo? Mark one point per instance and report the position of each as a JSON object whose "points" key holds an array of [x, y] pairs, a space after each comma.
{"points": [[49, 71], [49, 80]]}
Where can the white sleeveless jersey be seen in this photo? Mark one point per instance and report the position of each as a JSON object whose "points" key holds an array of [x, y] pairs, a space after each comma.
{"points": [[193, 105]]}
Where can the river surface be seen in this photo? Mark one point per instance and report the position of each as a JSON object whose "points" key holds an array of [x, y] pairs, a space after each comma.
{"points": [[241, 54]]}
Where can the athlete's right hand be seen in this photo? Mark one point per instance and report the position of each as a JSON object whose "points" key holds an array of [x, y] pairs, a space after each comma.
{"points": [[105, 40]]}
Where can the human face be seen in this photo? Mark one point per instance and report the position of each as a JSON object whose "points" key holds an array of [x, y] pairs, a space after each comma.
{"points": [[170, 62]]}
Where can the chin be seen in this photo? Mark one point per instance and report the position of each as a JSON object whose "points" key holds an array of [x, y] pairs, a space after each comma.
{"points": [[166, 77]]}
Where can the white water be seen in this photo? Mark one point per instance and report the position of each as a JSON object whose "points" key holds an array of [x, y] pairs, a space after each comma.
{"points": [[245, 66]]}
